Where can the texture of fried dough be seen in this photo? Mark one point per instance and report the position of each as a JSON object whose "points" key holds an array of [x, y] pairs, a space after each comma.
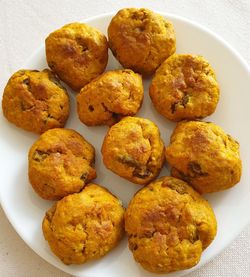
{"points": [[84, 226], [77, 53], [109, 97], [203, 155], [169, 225], [61, 162], [185, 87], [134, 150], [35, 101], [141, 39]]}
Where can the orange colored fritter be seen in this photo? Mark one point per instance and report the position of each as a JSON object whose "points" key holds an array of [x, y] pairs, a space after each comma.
{"points": [[202, 154], [35, 101], [141, 39], [109, 97], [61, 162], [169, 225], [134, 150], [184, 87], [84, 226], [77, 53]]}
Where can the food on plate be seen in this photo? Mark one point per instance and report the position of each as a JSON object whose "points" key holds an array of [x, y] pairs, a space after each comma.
{"points": [[61, 162], [109, 97], [77, 53], [141, 39], [169, 225], [203, 155], [185, 87], [134, 150], [84, 226], [167, 221], [35, 101]]}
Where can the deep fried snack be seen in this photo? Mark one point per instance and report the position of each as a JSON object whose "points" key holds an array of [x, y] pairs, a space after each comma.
{"points": [[84, 226], [184, 87], [203, 155], [35, 101], [141, 39], [169, 225], [109, 97], [134, 150], [61, 162], [77, 53]]}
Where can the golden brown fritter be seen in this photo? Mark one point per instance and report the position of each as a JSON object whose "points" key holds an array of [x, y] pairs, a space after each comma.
{"points": [[84, 226], [202, 154], [169, 225], [61, 162], [141, 39], [109, 97], [134, 150], [35, 101], [184, 87], [77, 53]]}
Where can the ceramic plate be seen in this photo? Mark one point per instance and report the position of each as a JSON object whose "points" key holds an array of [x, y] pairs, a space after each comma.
{"points": [[25, 209]]}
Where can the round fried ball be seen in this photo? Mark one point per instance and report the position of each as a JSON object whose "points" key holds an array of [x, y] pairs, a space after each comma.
{"points": [[202, 154], [61, 162], [77, 53], [141, 39], [184, 87], [134, 150], [84, 226], [169, 225], [107, 98], [35, 101]]}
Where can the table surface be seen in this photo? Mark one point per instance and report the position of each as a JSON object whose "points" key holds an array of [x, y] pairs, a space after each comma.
{"points": [[23, 27]]}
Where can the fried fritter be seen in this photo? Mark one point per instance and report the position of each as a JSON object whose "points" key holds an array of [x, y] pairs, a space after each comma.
{"points": [[35, 101], [134, 150], [141, 39], [169, 225], [184, 87], [109, 97], [61, 162], [202, 154], [84, 226], [77, 53]]}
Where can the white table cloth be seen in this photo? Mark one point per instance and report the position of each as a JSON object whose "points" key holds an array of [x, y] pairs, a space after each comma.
{"points": [[23, 27]]}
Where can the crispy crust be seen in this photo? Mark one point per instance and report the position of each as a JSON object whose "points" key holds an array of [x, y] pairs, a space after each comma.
{"points": [[169, 225], [35, 101], [84, 226], [61, 162], [184, 87], [134, 150], [141, 39], [202, 154], [109, 97], [78, 53]]}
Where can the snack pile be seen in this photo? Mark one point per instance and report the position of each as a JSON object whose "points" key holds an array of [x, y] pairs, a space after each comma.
{"points": [[168, 222]]}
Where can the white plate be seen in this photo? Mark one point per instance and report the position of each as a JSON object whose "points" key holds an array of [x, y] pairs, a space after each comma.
{"points": [[25, 209]]}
